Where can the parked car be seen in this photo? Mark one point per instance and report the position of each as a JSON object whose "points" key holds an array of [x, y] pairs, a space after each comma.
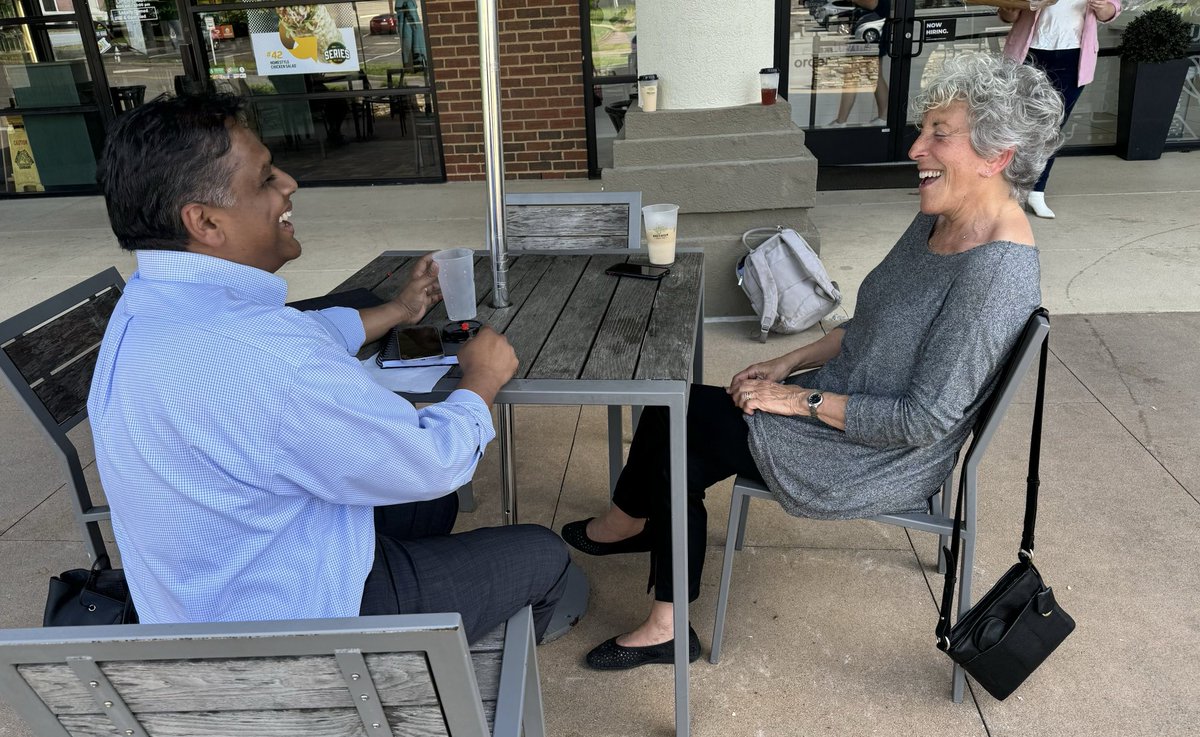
{"points": [[869, 28], [383, 24], [834, 11]]}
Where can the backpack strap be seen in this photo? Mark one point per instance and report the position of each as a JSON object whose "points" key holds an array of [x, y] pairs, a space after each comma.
{"points": [[767, 232]]}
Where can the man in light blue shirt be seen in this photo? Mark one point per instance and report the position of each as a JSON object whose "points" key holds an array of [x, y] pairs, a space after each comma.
{"points": [[254, 470]]}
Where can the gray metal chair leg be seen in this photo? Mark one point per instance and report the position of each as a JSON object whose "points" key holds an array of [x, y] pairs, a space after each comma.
{"points": [[737, 515], [745, 514], [947, 499], [466, 497], [636, 413], [616, 454]]}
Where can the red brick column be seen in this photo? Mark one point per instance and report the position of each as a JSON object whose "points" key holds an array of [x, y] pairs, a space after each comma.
{"points": [[541, 82]]}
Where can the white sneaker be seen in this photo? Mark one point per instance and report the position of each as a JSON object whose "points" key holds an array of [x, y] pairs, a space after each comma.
{"points": [[1036, 203], [878, 122], [835, 124]]}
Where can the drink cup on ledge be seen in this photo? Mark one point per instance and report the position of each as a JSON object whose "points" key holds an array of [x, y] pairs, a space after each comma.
{"points": [[769, 82], [660, 221], [456, 277], [648, 92]]}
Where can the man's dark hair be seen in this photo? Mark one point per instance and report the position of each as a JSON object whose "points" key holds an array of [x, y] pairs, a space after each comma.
{"points": [[159, 157]]}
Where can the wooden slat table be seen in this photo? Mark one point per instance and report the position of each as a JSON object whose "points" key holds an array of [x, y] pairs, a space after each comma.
{"points": [[583, 337]]}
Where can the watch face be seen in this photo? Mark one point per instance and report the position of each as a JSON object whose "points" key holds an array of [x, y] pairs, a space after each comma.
{"points": [[814, 399]]}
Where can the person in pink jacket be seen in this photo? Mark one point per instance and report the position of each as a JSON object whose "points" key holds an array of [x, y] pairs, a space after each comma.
{"points": [[1061, 39]]}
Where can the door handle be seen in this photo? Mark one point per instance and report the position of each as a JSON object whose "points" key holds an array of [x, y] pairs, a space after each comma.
{"points": [[916, 35]]}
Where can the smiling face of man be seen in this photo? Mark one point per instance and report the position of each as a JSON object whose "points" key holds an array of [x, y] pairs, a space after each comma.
{"points": [[256, 230]]}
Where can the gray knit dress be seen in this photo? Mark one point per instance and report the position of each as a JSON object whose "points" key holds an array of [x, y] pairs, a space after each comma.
{"points": [[928, 339]]}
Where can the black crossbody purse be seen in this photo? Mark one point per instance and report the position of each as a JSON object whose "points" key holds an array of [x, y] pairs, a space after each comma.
{"points": [[83, 597], [1005, 637]]}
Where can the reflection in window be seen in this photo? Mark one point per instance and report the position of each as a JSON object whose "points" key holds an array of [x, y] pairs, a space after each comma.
{"points": [[338, 47], [614, 38], [350, 138], [42, 65], [49, 152]]}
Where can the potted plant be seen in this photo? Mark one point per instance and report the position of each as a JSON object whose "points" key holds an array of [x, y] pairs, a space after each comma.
{"points": [[1153, 66]]}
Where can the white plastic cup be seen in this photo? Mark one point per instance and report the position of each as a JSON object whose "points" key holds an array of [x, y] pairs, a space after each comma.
{"points": [[456, 277], [648, 92], [660, 221]]}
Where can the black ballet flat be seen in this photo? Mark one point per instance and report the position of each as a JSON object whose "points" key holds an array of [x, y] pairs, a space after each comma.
{"points": [[575, 535], [608, 655]]}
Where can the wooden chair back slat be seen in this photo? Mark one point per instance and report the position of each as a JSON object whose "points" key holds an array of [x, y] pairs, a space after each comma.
{"points": [[198, 680]]}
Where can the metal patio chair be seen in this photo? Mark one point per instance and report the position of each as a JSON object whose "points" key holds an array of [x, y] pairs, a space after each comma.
{"points": [[47, 356], [380, 676], [570, 220], [1024, 354]]}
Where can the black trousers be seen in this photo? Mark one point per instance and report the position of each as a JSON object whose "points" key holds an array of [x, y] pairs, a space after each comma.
{"points": [[486, 575], [718, 447], [1062, 67]]}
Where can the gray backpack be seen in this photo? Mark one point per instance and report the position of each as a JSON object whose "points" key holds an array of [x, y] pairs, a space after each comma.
{"points": [[785, 281]]}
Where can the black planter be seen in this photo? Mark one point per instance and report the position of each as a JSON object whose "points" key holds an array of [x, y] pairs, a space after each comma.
{"points": [[1148, 97]]}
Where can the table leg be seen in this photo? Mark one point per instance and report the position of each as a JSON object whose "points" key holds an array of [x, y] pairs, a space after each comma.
{"points": [[508, 468], [678, 450]]}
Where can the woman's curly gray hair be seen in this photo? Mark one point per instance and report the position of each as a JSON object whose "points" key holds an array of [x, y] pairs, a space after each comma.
{"points": [[1009, 105]]}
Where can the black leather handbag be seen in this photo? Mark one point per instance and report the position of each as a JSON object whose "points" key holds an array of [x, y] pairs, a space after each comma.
{"points": [[83, 597], [1005, 637]]}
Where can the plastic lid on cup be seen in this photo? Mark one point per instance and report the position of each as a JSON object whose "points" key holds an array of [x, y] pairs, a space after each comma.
{"points": [[648, 78], [768, 70]]}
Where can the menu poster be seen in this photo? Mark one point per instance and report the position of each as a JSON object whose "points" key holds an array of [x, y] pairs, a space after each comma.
{"points": [[303, 39]]}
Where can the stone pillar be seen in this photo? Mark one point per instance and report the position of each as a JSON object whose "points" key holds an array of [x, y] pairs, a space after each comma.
{"points": [[729, 162], [705, 55]]}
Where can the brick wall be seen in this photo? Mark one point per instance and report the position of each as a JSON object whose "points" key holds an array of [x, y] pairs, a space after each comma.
{"points": [[541, 83]]}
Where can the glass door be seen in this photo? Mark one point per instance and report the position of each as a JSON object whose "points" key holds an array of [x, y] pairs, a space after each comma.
{"points": [[141, 47], [609, 31], [51, 124], [940, 29], [856, 65]]}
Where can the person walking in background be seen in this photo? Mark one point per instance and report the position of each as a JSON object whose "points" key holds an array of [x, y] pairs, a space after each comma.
{"points": [[882, 8], [1061, 39]]}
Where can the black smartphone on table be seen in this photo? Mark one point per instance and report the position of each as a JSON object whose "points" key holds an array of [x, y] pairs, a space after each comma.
{"points": [[638, 271], [417, 345], [423, 341]]}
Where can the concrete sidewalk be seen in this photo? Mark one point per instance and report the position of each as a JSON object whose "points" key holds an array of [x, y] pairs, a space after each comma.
{"points": [[830, 627]]}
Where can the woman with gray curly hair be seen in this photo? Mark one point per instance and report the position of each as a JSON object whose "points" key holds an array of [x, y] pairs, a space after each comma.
{"points": [[878, 426]]}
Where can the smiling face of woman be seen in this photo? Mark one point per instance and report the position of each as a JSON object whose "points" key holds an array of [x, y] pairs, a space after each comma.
{"points": [[952, 175]]}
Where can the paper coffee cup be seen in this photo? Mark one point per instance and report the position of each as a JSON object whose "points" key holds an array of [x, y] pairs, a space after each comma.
{"points": [[648, 92]]}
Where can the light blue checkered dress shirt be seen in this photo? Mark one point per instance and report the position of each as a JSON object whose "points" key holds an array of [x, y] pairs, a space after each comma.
{"points": [[242, 447]]}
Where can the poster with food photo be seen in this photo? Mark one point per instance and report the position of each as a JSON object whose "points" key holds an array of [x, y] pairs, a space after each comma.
{"points": [[304, 39]]}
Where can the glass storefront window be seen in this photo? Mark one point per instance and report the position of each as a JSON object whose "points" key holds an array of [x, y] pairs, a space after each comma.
{"points": [[317, 48], [46, 152], [346, 139], [42, 65], [139, 47], [614, 39]]}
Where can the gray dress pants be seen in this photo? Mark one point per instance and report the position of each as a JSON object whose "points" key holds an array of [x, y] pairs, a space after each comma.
{"points": [[486, 575]]}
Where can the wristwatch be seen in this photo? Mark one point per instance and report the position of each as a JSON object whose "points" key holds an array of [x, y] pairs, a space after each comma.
{"points": [[814, 402]]}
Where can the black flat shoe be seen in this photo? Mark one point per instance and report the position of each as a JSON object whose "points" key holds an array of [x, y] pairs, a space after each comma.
{"points": [[575, 535], [608, 655]]}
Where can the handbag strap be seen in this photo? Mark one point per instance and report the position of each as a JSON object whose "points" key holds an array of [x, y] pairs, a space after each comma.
{"points": [[1032, 482]]}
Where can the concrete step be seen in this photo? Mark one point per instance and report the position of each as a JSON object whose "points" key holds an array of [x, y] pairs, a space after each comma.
{"points": [[717, 147], [723, 186], [735, 223], [683, 123]]}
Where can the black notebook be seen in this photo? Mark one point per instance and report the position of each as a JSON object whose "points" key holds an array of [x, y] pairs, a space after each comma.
{"points": [[413, 345]]}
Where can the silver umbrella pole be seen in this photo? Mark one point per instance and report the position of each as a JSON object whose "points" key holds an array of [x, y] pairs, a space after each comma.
{"points": [[493, 151], [493, 156]]}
